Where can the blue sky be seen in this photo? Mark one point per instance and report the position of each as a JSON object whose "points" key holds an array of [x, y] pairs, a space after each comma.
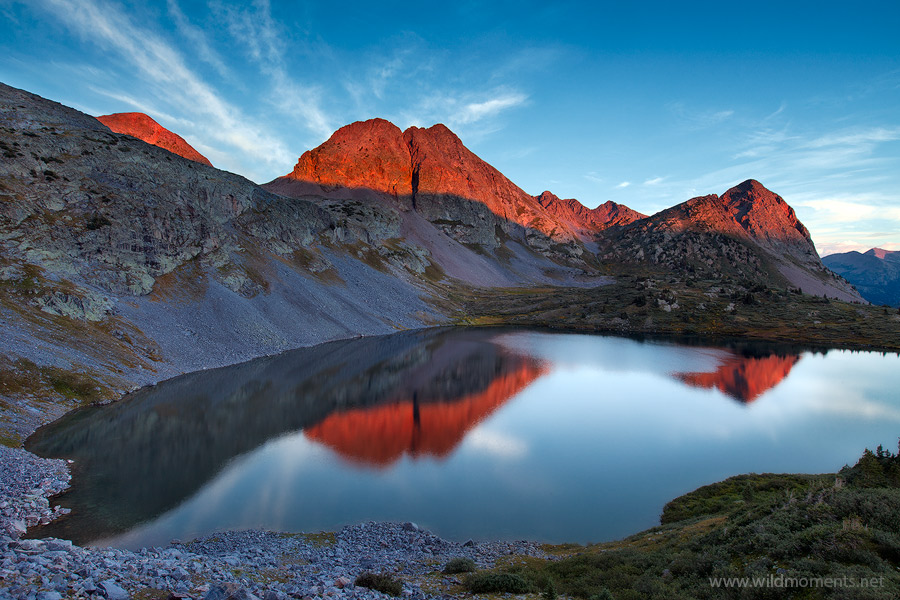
{"points": [[647, 104]]}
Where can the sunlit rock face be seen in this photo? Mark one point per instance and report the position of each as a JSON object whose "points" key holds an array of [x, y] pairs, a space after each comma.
{"points": [[381, 435], [145, 128], [747, 211], [744, 378], [588, 221], [368, 154], [429, 170]]}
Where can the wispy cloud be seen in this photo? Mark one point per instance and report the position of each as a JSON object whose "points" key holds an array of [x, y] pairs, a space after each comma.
{"points": [[165, 69], [476, 111], [763, 141], [859, 245], [496, 443], [859, 139], [654, 181], [263, 39], [255, 30], [699, 118], [623, 185], [854, 208], [471, 114]]}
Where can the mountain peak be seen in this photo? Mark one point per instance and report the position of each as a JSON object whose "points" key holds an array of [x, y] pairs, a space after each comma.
{"points": [[365, 154], [547, 197], [764, 215], [728, 230], [751, 185], [882, 253], [438, 131], [363, 129], [143, 127]]}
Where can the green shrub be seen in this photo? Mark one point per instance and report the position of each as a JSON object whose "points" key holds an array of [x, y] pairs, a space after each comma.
{"points": [[459, 565], [496, 583], [381, 582], [549, 592]]}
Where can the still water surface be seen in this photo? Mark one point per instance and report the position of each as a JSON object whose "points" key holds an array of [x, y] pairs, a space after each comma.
{"points": [[470, 433]]}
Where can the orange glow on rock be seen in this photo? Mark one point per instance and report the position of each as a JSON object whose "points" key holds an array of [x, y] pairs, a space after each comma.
{"points": [[146, 129]]}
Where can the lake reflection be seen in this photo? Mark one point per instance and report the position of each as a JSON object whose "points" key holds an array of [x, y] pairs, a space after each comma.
{"points": [[470, 433]]}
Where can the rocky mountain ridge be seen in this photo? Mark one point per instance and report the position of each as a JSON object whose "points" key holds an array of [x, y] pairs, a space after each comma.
{"points": [[144, 128], [588, 222], [431, 172], [749, 232]]}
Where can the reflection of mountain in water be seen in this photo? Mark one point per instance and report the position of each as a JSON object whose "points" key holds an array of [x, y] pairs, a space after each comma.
{"points": [[144, 455], [744, 378], [382, 435]]}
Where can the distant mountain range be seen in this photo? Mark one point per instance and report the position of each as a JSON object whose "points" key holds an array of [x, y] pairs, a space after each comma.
{"points": [[875, 273]]}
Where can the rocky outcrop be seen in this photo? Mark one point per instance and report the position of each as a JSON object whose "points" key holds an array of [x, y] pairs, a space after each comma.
{"points": [[430, 171], [748, 212], [367, 154], [875, 273], [587, 222], [144, 128], [80, 200], [749, 232]]}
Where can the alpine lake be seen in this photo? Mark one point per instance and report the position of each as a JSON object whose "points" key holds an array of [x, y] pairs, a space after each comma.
{"points": [[470, 433]]}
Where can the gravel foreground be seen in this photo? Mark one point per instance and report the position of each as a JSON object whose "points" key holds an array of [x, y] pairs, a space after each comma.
{"points": [[236, 565]]}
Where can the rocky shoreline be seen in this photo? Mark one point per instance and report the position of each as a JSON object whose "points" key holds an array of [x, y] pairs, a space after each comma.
{"points": [[237, 564]]}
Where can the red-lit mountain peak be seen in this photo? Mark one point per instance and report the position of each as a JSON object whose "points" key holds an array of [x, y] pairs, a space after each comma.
{"points": [[764, 215], [145, 128], [370, 154], [431, 171]]}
